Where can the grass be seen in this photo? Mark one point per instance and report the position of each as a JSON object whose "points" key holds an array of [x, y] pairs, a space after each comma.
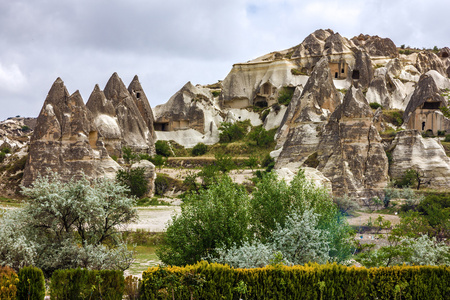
{"points": [[446, 147], [144, 257], [7, 202]]}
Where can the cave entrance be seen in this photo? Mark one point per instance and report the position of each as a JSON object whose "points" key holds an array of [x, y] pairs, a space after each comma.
{"points": [[138, 95], [423, 126], [355, 74], [431, 105], [161, 126], [336, 75]]}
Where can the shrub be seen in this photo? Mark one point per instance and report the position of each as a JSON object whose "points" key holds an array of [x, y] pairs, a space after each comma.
{"points": [[134, 180], [31, 283], [128, 154], [346, 205], [230, 132], [2, 156], [132, 287], [268, 162], [87, 284], [261, 136], [199, 149], [25, 128], [447, 138], [224, 162], [375, 105], [161, 184], [264, 115], [8, 283], [163, 148], [285, 95], [216, 93]]}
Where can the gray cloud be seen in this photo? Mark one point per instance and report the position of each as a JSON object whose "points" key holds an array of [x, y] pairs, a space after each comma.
{"points": [[168, 43]]}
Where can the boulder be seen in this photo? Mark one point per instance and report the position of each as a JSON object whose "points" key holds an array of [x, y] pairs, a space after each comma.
{"points": [[425, 155]]}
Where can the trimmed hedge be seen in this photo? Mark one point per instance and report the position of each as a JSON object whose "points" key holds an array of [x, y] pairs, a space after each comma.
{"points": [[87, 284], [313, 281], [31, 283], [8, 283]]}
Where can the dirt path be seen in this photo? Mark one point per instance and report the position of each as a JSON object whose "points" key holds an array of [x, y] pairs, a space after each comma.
{"points": [[363, 218], [154, 218]]}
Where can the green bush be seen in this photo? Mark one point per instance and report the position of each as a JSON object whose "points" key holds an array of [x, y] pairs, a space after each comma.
{"points": [[163, 148], [261, 136], [447, 138], [285, 95], [31, 283], [216, 93], [2, 156], [161, 184], [268, 162], [199, 149], [133, 179], [87, 284], [375, 105], [128, 154], [8, 283], [312, 281], [231, 132]]}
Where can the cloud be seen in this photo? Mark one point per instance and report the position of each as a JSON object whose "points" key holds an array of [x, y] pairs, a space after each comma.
{"points": [[170, 42]]}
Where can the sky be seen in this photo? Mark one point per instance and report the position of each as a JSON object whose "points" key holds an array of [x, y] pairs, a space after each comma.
{"points": [[168, 43]]}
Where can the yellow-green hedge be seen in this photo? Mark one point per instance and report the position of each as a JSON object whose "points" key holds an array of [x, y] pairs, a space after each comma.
{"points": [[331, 281]]}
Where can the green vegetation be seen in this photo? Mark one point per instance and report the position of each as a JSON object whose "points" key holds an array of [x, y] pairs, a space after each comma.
{"points": [[394, 116], [216, 93], [161, 184], [199, 149], [231, 132], [285, 95], [134, 180], [67, 225], [3, 153], [163, 148], [375, 105], [273, 208], [296, 71], [31, 283]]}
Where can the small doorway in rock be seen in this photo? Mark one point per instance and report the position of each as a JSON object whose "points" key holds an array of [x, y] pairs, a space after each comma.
{"points": [[138, 95], [423, 126], [336, 75], [355, 74]]}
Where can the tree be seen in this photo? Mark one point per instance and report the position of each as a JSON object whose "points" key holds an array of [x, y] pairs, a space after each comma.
{"points": [[230, 132], [134, 180], [68, 225], [213, 218], [163, 148], [261, 136]]}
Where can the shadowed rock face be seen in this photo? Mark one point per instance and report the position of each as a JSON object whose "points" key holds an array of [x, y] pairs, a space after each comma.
{"points": [[65, 139], [141, 101], [364, 66]]}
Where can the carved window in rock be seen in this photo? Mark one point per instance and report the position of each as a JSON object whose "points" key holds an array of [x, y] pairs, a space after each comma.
{"points": [[423, 126], [355, 74], [267, 88], [336, 75], [431, 105], [138, 95]]}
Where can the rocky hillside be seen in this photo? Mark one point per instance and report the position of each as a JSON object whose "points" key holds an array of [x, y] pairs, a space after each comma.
{"points": [[356, 112]]}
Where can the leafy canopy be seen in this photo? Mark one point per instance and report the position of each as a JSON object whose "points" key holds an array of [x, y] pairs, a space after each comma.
{"points": [[68, 225]]}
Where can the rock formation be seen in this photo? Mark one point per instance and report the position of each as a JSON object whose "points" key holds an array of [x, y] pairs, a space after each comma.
{"points": [[376, 46], [426, 156], [350, 152], [65, 140]]}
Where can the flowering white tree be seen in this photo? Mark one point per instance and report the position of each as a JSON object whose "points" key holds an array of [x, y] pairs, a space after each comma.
{"points": [[67, 225]]}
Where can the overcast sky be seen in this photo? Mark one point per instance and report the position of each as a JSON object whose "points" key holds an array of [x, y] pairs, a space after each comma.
{"points": [[168, 43]]}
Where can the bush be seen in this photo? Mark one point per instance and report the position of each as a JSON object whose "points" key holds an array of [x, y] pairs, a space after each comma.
{"points": [[8, 283], [199, 149], [134, 180], [87, 284], [346, 205], [132, 288], [261, 136], [268, 162], [285, 95], [312, 281], [375, 105], [31, 283], [128, 154], [163, 148], [447, 138], [161, 184], [231, 132], [2, 156], [216, 93]]}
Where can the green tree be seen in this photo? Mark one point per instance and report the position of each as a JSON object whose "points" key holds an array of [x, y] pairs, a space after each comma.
{"points": [[163, 148], [261, 136], [68, 225], [199, 149], [213, 218], [134, 180], [230, 132]]}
